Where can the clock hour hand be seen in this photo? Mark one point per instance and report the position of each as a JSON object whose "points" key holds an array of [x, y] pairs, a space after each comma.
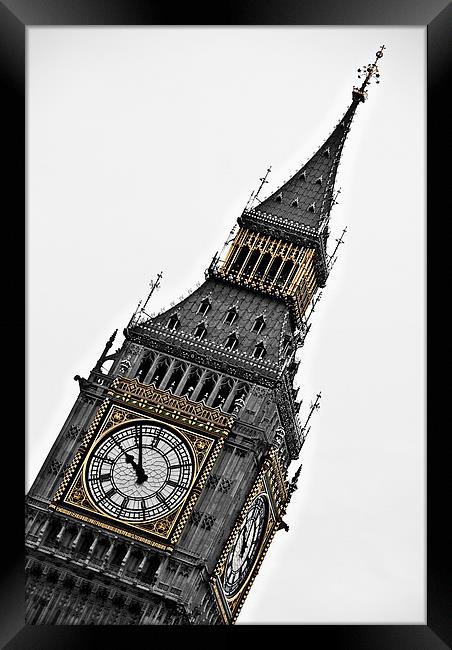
{"points": [[141, 476], [244, 542]]}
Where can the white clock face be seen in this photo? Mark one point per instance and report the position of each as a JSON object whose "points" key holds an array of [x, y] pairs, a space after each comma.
{"points": [[243, 553], [139, 472]]}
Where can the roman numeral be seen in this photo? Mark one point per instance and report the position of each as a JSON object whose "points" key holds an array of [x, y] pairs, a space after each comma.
{"points": [[108, 494], [173, 483], [180, 465], [105, 477], [160, 498], [104, 459]]}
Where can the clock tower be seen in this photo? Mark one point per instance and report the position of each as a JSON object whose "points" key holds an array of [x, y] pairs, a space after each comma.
{"points": [[170, 477]]}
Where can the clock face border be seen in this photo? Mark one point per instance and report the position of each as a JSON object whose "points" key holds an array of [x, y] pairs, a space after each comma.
{"points": [[233, 595], [270, 482], [106, 434], [71, 497]]}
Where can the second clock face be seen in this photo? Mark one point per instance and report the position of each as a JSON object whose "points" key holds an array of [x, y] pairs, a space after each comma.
{"points": [[139, 472], [242, 555]]}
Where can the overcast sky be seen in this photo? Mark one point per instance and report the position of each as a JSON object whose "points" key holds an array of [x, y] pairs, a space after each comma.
{"points": [[144, 145]]}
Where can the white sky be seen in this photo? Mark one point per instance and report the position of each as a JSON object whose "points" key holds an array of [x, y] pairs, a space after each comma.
{"points": [[143, 147]]}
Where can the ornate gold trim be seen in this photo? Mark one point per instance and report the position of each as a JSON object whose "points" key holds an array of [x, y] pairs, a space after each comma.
{"points": [[199, 415], [114, 529], [270, 481], [204, 441]]}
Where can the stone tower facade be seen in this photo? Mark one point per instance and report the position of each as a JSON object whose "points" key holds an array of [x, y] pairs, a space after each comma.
{"points": [[169, 478]]}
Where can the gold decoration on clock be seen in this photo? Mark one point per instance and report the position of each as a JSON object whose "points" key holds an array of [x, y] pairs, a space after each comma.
{"points": [[249, 539], [141, 470]]}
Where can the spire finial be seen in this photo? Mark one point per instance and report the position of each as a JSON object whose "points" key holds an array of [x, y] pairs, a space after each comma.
{"points": [[360, 94], [154, 284], [263, 180]]}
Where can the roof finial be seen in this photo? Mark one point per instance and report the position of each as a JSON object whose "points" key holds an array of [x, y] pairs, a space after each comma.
{"points": [[360, 94], [263, 180], [154, 284]]}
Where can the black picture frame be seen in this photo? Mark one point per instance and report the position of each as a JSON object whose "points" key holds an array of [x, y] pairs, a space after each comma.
{"points": [[436, 15]]}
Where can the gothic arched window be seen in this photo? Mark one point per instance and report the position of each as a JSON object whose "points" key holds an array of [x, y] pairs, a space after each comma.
{"points": [[160, 371], [204, 306], [200, 331], [175, 377], [231, 342], [208, 385], [241, 257], [258, 324], [173, 322], [285, 271], [287, 347], [144, 367], [231, 315], [191, 382], [259, 351]]}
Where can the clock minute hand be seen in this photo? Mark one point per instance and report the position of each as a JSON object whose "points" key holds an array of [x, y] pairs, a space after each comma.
{"points": [[141, 476]]}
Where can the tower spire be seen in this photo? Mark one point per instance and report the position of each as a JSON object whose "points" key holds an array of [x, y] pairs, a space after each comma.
{"points": [[306, 199]]}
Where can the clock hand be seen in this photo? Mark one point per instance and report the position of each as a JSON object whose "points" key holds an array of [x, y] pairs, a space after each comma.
{"points": [[140, 448], [141, 476], [244, 543]]}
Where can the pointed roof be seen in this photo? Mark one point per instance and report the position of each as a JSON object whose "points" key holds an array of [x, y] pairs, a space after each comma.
{"points": [[307, 197]]}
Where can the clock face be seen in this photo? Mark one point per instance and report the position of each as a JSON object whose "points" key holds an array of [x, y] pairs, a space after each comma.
{"points": [[242, 555], [139, 472]]}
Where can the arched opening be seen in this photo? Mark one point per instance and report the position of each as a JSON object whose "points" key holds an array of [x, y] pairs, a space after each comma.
{"points": [[251, 263], [231, 342], [86, 543], [239, 260], [273, 270], [144, 367], [173, 323], [263, 263], [160, 371], [223, 393], [134, 561], [175, 377], [191, 382], [285, 272], [100, 549], [107, 366], [68, 536], [207, 387], [54, 529], [231, 315], [259, 351], [239, 397], [118, 555], [200, 331], [152, 564], [204, 306], [258, 324]]}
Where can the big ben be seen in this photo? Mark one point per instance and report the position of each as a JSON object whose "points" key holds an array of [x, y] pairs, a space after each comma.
{"points": [[170, 477]]}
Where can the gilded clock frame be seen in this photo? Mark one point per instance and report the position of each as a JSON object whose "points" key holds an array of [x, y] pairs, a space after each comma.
{"points": [[202, 428], [270, 483]]}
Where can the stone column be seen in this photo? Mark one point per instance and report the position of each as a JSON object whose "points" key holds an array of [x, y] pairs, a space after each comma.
{"points": [[146, 380], [124, 560], [231, 396], [215, 390], [195, 394], [168, 374], [182, 382], [91, 549]]}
